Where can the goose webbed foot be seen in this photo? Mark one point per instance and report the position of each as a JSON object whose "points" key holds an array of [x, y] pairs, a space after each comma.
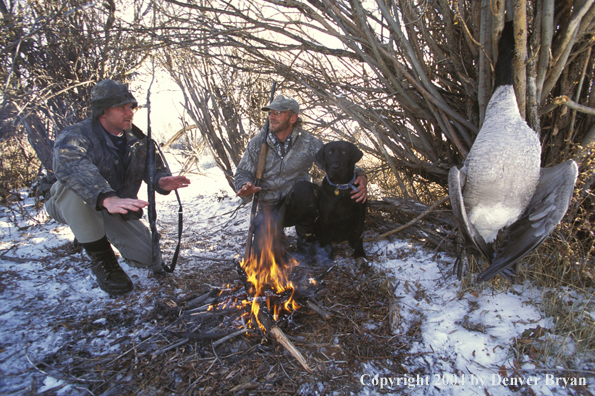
{"points": [[510, 273], [461, 265]]}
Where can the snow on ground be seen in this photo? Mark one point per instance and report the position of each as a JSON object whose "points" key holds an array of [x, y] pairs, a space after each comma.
{"points": [[468, 334], [46, 290]]}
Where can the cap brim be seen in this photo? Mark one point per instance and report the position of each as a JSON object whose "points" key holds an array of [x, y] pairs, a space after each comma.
{"points": [[275, 106], [126, 101]]}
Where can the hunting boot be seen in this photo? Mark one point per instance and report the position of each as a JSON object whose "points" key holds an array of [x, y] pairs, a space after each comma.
{"points": [[110, 276]]}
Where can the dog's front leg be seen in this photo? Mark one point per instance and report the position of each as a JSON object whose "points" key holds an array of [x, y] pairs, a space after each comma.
{"points": [[356, 239], [357, 244], [326, 244]]}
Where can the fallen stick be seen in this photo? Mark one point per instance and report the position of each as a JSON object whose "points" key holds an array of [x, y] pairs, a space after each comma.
{"points": [[392, 357], [282, 339], [320, 311], [173, 346], [230, 336], [312, 344], [194, 335], [387, 288], [401, 228], [198, 256], [244, 386], [320, 277], [196, 302], [15, 259]]}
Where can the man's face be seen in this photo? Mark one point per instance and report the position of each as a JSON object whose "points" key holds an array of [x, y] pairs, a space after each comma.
{"points": [[118, 118], [280, 121]]}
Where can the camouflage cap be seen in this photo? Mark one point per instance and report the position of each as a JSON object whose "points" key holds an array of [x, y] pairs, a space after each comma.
{"points": [[283, 103], [109, 93]]}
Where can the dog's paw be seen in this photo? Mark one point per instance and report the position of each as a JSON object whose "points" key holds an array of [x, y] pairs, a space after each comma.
{"points": [[362, 263]]}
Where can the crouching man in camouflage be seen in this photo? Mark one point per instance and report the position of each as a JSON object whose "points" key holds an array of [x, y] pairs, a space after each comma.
{"points": [[287, 189], [100, 164]]}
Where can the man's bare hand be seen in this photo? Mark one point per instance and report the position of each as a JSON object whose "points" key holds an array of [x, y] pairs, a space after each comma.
{"points": [[248, 189], [123, 205], [361, 195], [169, 183]]}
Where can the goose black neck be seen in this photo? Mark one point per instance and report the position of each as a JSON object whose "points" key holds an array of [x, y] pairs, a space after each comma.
{"points": [[503, 70]]}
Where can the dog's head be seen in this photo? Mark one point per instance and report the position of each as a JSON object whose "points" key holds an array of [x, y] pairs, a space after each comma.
{"points": [[338, 160]]}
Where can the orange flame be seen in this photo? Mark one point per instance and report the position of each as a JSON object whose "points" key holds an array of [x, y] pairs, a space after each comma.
{"points": [[269, 276]]}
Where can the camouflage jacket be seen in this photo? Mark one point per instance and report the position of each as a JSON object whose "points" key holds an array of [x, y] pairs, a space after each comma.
{"points": [[280, 174], [87, 162]]}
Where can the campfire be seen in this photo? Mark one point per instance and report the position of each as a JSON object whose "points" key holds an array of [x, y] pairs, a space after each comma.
{"points": [[272, 287], [267, 280]]}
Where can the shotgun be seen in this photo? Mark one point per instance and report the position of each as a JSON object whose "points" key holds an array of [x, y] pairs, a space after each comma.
{"points": [[152, 215], [262, 157]]}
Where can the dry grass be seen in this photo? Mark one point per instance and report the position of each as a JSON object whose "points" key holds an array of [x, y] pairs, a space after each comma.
{"points": [[564, 267], [18, 167]]}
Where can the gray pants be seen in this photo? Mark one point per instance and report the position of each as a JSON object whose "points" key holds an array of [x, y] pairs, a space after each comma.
{"points": [[131, 237]]}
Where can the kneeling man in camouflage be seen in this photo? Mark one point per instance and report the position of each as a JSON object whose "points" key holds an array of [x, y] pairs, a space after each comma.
{"points": [[100, 164]]}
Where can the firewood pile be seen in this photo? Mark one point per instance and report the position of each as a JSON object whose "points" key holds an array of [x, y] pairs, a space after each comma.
{"points": [[223, 311], [341, 323]]}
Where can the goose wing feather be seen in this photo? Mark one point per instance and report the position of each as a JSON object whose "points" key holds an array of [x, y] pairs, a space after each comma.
{"points": [[545, 211], [456, 182]]}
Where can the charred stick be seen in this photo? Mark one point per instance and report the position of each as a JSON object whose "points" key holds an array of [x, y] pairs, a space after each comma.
{"points": [[320, 311], [196, 302], [173, 346], [202, 308], [325, 273], [210, 314], [230, 336], [244, 278], [193, 335]]}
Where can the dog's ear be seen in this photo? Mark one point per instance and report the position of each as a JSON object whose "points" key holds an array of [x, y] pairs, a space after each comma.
{"points": [[320, 159], [355, 154]]}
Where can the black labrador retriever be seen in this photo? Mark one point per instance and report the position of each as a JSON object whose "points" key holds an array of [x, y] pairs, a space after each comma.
{"points": [[340, 217]]}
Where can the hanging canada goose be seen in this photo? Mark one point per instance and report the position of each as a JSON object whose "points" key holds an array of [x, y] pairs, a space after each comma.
{"points": [[504, 203]]}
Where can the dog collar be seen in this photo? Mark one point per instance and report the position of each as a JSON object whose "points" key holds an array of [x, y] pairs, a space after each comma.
{"points": [[343, 186]]}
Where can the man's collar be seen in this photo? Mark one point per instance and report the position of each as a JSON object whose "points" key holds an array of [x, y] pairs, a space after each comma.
{"points": [[294, 133], [289, 135]]}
